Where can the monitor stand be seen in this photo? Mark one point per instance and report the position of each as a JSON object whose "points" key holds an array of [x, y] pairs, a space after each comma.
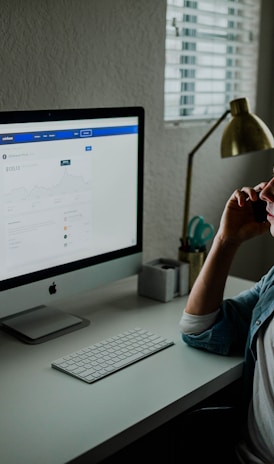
{"points": [[42, 323]]}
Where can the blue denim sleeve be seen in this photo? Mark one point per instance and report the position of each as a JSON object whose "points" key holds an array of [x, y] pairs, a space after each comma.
{"points": [[229, 333]]}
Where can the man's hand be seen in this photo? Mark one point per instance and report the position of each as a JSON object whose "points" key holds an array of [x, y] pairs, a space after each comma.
{"points": [[238, 222]]}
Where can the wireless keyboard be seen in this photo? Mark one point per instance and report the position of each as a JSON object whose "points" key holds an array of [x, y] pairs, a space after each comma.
{"points": [[96, 361]]}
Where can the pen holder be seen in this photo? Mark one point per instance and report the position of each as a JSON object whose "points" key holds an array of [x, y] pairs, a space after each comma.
{"points": [[196, 260]]}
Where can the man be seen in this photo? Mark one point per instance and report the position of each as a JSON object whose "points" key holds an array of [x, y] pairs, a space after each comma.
{"points": [[244, 323]]}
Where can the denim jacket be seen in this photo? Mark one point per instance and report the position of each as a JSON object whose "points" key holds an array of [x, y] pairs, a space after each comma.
{"points": [[236, 327]]}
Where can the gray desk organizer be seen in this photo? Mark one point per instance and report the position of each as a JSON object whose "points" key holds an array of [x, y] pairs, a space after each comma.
{"points": [[164, 279]]}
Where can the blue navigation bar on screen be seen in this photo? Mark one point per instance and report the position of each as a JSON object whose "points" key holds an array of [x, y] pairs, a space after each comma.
{"points": [[57, 135]]}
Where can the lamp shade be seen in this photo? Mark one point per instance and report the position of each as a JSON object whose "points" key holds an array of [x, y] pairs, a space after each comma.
{"points": [[245, 132]]}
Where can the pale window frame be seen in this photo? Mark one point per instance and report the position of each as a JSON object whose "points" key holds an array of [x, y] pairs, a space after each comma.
{"points": [[210, 61]]}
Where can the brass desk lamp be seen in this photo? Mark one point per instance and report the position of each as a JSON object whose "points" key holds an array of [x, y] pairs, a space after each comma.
{"points": [[244, 133]]}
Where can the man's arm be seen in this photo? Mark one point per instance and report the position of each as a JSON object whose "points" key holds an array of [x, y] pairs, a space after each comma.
{"points": [[236, 226]]}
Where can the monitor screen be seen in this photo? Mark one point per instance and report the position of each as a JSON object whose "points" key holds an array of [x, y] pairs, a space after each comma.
{"points": [[71, 201]]}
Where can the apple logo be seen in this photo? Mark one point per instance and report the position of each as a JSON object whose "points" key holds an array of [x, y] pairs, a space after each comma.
{"points": [[52, 288]]}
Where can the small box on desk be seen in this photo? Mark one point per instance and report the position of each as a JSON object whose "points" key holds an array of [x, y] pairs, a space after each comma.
{"points": [[163, 279]]}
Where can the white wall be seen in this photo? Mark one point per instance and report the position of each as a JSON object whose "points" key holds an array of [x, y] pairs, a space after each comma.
{"points": [[81, 53]]}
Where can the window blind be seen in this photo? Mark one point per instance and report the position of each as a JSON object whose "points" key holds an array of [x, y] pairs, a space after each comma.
{"points": [[211, 56]]}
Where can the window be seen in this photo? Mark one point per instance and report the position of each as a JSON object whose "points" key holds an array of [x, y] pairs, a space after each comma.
{"points": [[211, 56]]}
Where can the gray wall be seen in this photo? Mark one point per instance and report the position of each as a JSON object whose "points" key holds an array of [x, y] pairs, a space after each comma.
{"points": [[82, 53]]}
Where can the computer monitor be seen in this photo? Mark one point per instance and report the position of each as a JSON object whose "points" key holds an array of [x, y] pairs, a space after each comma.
{"points": [[71, 205]]}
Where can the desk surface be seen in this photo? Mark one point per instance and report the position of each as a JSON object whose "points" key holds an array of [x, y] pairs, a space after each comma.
{"points": [[52, 418]]}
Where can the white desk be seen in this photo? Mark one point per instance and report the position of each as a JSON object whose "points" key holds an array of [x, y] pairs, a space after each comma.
{"points": [[49, 417]]}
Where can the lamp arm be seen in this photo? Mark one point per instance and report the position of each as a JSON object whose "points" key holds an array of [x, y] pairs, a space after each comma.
{"points": [[189, 176]]}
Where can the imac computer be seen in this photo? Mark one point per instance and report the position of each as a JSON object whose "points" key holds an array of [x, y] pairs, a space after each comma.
{"points": [[71, 211]]}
